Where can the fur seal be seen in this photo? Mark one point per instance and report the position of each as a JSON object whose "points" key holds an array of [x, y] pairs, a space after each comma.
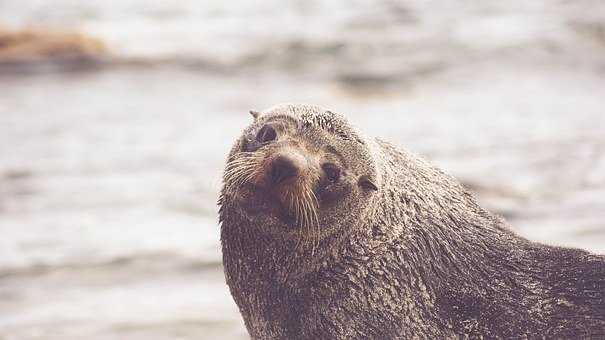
{"points": [[329, 234]]}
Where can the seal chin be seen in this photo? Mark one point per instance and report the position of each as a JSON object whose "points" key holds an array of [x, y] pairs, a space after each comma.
{"points": [[257, 201]]}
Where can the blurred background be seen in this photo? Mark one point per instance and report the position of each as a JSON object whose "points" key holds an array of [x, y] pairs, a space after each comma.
{"points": [[116, 118]]}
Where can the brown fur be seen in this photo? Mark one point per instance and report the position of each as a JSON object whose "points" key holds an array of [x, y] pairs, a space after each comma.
{"points": [[416, 258]]}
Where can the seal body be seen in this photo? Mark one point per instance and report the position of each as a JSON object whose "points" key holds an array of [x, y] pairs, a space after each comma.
{"points": [[398, 250]]}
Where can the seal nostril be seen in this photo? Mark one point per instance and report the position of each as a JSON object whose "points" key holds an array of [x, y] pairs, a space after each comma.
{"points": [[282, 169], [266, 134]]}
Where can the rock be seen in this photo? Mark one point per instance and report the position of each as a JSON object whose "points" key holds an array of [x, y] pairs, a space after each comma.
{"points": [[41, 45]]}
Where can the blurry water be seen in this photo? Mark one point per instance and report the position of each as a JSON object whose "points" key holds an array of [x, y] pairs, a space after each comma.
{"points": [[109, 176]]}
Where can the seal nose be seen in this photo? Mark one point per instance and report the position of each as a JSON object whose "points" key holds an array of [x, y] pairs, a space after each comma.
{"points": [[284, 167]]}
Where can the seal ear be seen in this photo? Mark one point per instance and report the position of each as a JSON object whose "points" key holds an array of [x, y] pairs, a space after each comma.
{"points": [[366, 183], [255, 114]]}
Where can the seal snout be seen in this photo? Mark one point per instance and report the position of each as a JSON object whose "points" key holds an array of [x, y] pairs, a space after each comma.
{"points": [[287, 181], [285, 166]]}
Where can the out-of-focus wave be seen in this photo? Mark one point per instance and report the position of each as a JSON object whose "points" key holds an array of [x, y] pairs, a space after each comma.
{"points": [[366, 45], [135, 264]]}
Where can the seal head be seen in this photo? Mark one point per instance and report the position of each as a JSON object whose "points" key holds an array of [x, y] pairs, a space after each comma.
{"points": [[294, 172]]}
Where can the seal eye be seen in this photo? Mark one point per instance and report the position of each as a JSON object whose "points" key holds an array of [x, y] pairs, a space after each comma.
{"points": [[332, 172], [266, 134]]}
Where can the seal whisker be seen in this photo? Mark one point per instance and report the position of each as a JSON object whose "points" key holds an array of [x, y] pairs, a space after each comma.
{"points": [[307, 225], [308, 221], [312, 203], [234, 168], [233, 176], [237, 177], [316, 218], [239, 161], [240, 170], [295, 203]]}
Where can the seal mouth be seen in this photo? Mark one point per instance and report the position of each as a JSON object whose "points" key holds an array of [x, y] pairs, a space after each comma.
{"points": [[260, 200], [277, 181]]}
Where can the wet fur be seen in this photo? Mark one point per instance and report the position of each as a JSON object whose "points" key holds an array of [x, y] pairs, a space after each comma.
{"points": [[418, 259]]}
